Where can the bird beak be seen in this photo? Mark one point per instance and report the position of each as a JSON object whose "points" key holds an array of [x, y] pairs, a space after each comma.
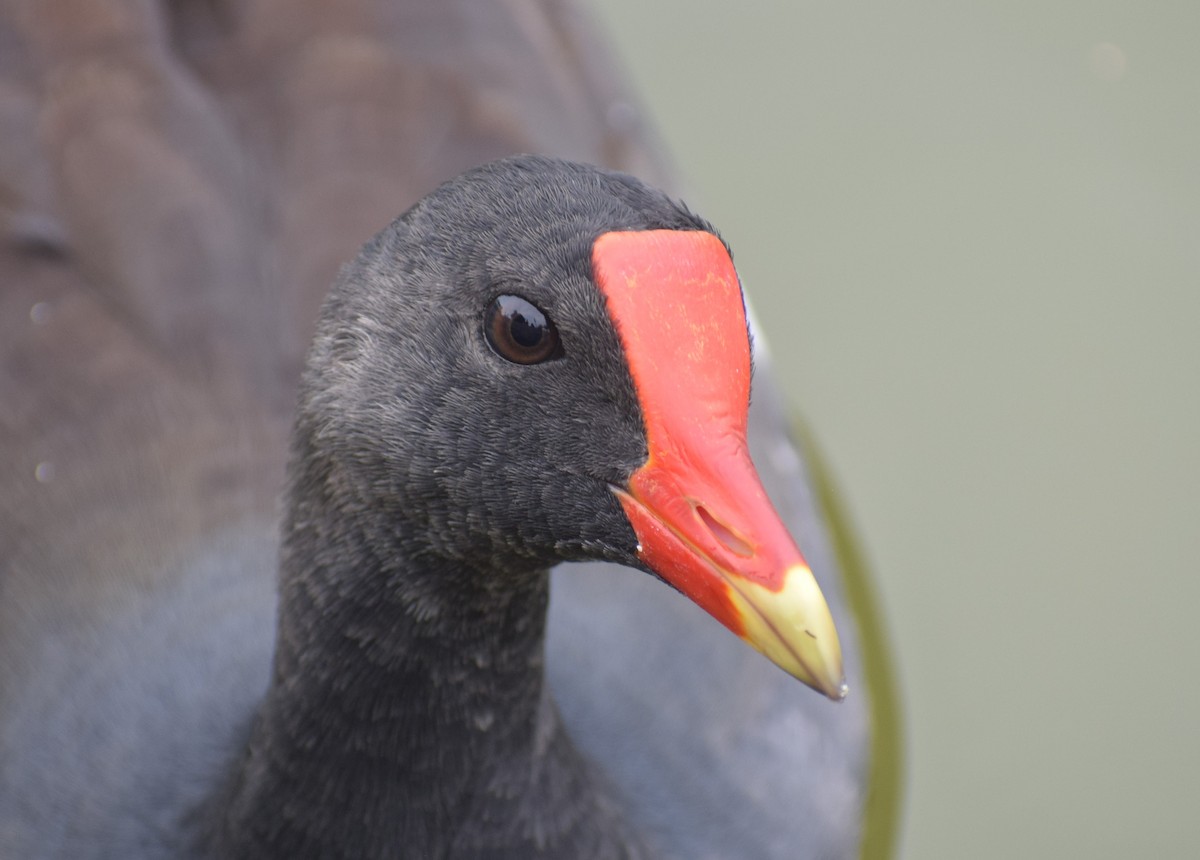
{"points": [[702, 518], [714, 535]]}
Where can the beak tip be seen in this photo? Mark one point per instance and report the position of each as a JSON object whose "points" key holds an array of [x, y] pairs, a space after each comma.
{"points": [[833, 684]]}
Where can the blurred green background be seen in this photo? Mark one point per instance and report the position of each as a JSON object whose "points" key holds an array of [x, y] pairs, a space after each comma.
{"points": [[972, 232]]}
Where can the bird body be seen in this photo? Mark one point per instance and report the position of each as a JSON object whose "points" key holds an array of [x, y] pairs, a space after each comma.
{"points": [[407, 695]]}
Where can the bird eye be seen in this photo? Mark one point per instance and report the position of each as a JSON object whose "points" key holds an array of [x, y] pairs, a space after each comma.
{"points": [[518, 331]]}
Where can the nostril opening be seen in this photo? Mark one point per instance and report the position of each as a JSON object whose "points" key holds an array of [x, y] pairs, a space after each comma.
{"points": [[732, 542]]}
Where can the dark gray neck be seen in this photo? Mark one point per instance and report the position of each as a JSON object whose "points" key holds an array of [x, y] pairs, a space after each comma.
{"points": [[407, 715]]}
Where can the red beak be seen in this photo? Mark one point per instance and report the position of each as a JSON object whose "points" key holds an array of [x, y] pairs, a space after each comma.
{"points": [[702, 519]]}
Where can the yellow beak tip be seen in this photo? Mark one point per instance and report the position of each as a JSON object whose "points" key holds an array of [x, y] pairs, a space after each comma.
{"points": [[792, 626]]}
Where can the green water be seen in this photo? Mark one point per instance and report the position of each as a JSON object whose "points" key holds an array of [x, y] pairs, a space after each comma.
{"points": [[973, 234]]}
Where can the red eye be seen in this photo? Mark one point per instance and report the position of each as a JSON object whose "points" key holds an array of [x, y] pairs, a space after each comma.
{"points": [[518, 331]]}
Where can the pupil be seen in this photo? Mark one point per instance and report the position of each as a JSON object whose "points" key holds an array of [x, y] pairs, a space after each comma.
{"points": [[525, 331]]}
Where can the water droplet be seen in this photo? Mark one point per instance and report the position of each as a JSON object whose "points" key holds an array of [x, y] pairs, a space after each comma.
{"points": [[1107, 61], [40, 313], [44, 472]]}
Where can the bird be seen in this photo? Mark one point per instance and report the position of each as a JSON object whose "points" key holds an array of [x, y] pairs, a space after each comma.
{"points": [[161, 284]]}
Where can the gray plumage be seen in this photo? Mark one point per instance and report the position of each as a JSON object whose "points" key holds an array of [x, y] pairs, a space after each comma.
{"points": [[147, 359]]}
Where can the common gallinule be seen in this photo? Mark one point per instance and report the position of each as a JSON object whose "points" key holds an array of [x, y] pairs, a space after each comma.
{"points": [[137, 619]]}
